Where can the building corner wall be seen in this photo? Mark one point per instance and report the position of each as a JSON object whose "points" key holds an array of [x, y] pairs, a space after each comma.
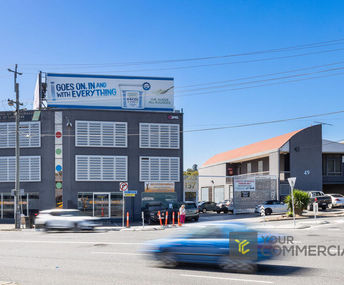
{"points": [[306, 158]]}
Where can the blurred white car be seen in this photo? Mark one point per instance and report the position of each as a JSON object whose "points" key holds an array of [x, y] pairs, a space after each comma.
{"points": [[272, 206], [65, 219], [337, 200]]}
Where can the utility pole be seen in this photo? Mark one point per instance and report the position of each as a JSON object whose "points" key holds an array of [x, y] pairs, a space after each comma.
{"points": [[17, 215]]}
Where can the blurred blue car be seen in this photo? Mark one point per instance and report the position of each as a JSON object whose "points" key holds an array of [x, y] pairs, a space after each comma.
{"points": [[209, 244]]}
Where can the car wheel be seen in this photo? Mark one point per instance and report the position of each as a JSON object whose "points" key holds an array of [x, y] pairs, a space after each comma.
{"points": [[218, 211], [196, 219], [225, 211], [76, 227], [323, 208], [226, 264], [168, 259], [204, 210], [150, 221], [268, 212], [47, 227]]}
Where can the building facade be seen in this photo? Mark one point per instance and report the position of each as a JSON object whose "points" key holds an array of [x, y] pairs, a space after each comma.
{"points": [[76, 158], [266, 166]]}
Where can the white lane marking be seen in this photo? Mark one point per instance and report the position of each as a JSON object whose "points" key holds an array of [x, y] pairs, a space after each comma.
{"points": [[115, 253], [226, 278], [69, 242]]}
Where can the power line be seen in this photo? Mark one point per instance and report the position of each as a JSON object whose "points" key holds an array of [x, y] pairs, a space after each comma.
{"points": [[217, 64], [265, 122], [259, 75], [283, 49], [261, 85], [262, 80], [231, 126]]}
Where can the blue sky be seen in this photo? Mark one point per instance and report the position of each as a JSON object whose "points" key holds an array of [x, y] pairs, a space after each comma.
{"points": [[54, 36]]}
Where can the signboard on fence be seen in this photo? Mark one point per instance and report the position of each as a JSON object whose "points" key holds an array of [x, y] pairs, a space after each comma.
{"points": [[245, 184], [109, 92]]}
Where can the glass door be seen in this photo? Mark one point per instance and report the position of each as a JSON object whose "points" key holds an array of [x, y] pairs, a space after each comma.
{"points": [[101, 205]]}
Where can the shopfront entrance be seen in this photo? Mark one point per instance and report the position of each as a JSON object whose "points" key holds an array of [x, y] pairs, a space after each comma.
{"points": [[28, 205], [100, 204]]}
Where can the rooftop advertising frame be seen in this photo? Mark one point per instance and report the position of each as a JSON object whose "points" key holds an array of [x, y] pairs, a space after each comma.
{"points": [[109, 92]]}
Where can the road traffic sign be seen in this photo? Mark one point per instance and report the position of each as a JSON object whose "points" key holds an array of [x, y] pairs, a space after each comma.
{"points": [[131, 192], [123, 186], [292, 181]]}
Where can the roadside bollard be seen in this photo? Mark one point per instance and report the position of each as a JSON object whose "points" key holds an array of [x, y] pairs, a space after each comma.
{"points": [[172, 219], [159, 214], [128, 219], [179, 224], [143, 219], [166, 218]]}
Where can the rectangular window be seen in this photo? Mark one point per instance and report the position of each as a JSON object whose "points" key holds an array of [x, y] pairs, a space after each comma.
{"points": [[101, 168], [159, 136], [30, 168], [249, 167], [260, 166], [100, 134], [334, 164], [159, 169], [29, 134]]}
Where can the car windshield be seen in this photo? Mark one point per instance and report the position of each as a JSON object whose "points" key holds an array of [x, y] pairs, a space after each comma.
{"points": [[337, 195], [190, 206], [154, 208], [317, 194], [66, 213]]}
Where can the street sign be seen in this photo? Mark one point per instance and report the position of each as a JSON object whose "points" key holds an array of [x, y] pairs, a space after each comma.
{"points": [[131, 192], [292, 181], [13, 192], [123, 186]]}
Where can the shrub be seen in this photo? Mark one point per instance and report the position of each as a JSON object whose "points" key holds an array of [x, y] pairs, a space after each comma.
{"points": [[301, 200]]}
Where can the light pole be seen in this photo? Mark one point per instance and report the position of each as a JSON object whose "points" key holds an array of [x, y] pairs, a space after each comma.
{"points": [[17, 215]]}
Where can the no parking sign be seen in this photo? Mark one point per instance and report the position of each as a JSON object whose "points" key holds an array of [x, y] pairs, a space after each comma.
{"points": [[123, 186]]}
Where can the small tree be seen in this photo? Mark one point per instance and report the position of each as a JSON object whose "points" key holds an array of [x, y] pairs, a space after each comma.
{"points": [[301, 200]]}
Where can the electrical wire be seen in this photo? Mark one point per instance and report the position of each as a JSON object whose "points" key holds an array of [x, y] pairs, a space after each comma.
{"points": [[230, 126], [283, 49]]}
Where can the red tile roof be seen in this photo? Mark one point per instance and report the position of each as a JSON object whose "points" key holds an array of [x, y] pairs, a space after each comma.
{"points": [[252, 149]]}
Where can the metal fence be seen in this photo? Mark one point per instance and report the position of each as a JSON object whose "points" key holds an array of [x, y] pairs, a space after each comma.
{"points": [[251, 190]]}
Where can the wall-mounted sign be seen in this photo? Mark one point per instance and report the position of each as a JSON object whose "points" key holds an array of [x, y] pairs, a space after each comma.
{"points": [[159, 186], [109, 92], [245, 184], [173, 117]]}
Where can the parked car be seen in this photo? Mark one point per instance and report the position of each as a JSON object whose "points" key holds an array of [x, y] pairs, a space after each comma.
{"points": [[337, 200], [208, 244], [203, 207], [191, 211], [319, 197], [225, 206], [65, 219], [151, 212], [271, 206]]}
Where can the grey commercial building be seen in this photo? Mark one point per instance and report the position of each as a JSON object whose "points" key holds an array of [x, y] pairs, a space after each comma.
{"points": [[76, 158], [265, 166]]}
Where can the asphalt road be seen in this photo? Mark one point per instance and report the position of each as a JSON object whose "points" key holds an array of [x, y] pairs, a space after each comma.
{"points": [[32, 257]]}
